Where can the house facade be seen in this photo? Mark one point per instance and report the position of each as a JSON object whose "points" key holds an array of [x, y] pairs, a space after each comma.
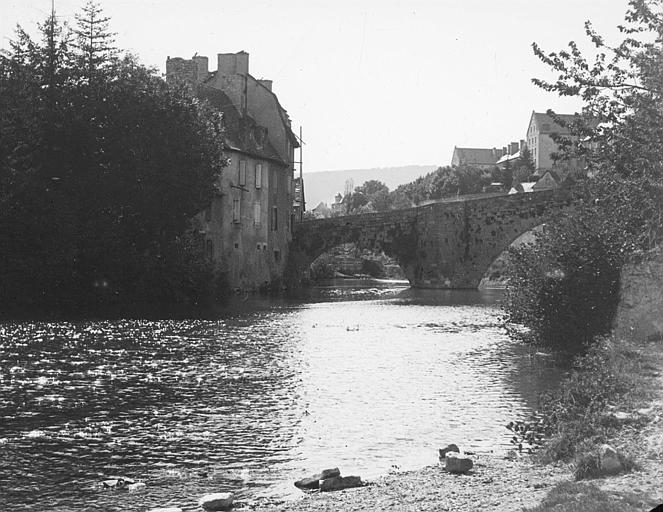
{"points": [[541, 144], [247, 228]]}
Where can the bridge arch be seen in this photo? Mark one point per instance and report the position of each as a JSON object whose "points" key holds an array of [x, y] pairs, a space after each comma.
{"points": [[448, 244]]}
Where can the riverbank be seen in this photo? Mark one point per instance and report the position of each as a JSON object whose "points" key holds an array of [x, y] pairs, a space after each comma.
{"points": [[495, 483], [504, 484]]}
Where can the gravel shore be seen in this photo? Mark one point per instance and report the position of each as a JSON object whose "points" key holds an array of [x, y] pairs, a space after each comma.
{"points": [[495, 484]]}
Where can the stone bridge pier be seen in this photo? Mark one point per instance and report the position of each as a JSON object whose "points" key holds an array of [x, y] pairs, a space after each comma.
{"points": [[448, 244]]}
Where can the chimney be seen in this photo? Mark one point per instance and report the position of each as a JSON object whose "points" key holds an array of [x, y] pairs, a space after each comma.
{"points": [[522, 144], [233, 63], [202, 67], [242, 63], [513, 148], [504, 151], [266, 83]]}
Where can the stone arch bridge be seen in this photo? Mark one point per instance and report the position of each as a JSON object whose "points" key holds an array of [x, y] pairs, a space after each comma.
{"points": [[447, 244]]}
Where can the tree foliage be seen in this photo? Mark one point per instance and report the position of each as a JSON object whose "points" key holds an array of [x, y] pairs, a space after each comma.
{"points": [[622, 89], [101, 167], [565, 287], [374, 196]]}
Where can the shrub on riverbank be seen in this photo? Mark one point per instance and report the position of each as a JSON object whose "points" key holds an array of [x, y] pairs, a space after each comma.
{"points": [[564, 287], [578, 417]]}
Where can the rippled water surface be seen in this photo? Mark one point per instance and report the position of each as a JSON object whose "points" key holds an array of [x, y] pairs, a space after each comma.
{"points": [[365, 379]]}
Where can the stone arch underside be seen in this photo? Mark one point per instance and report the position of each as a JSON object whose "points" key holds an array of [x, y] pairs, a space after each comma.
{"points": [[442, 245], [393, 234]]}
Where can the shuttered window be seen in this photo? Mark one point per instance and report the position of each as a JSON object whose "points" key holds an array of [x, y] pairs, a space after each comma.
{"points": [[242, 173], [258, 175], [256, 213], [236, 211]]}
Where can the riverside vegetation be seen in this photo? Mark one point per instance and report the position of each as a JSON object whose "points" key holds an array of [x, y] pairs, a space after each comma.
{"points": [[564, 287], [102, 164]]}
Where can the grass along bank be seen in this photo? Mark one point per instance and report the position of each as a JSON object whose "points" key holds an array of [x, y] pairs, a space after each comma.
{"points": [[613, 395]]}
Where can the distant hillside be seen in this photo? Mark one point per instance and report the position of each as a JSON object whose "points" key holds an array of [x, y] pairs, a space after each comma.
{"points": [[324, 185]]}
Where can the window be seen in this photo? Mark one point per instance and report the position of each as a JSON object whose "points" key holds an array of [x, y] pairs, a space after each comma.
{"points": [[242, 173], [275, 181], [277, 255], [236, 211], [275, 218], [256, 213], [258, 175], [210, 250]]}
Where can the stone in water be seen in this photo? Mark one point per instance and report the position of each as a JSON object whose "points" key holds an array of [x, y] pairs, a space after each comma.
{"points": [[217, 501]]}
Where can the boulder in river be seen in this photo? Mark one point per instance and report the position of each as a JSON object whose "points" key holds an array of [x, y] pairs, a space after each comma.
{"points": [[457, 463], [217, 501], [338, 483], [313, 482], [449, 448]]}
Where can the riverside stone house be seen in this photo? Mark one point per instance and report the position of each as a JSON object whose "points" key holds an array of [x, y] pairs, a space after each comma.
{"points": [[247, 228]]}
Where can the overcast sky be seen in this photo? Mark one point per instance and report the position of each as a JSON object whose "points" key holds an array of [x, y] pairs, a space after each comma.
{"points": [[374, 83]]}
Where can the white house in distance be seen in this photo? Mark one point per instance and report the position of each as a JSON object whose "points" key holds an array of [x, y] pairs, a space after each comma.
{"points": [[546, 182], [539, 139]]}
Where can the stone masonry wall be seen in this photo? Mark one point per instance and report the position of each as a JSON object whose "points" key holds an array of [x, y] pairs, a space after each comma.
{"points": [[449, 244], [640, 310]]}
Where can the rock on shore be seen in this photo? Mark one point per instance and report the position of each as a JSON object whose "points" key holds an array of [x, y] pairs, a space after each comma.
{"points": [[457, 463], [313, 482], [339, 483]]}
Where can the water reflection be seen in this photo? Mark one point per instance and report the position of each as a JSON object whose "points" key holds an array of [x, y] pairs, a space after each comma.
{"points": [[249, 402]]}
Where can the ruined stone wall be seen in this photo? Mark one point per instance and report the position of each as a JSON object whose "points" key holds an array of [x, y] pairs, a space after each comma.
{"points": [[640, 310], [179, 69]]}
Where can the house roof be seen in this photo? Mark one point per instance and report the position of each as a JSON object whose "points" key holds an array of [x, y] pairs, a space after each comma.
{"points": [[547, 124], [476, 155], [242, 133], [283, 113]]}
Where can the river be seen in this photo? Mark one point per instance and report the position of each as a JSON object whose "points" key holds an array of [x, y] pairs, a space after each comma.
{"points": [[367, 377]]}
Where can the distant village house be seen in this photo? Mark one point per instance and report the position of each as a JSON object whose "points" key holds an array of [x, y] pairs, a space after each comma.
{"points": [[480, 158]]}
